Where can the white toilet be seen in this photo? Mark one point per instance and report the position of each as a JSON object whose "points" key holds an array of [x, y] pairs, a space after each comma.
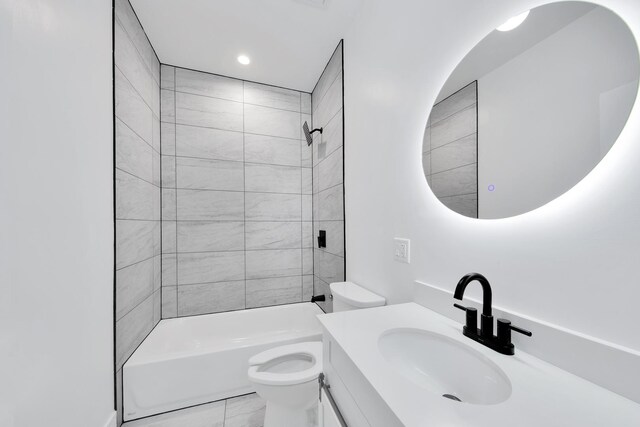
{"points": [[287, 376]]}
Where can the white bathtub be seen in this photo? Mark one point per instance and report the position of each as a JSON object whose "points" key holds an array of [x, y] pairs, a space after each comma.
{"points": [[199, 359]]}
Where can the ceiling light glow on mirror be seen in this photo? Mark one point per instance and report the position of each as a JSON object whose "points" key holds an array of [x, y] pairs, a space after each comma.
{"points": [[244, 60], [513, 22]]}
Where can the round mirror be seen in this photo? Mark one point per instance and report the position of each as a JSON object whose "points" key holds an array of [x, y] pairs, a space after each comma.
{"points": [[531, 110]]}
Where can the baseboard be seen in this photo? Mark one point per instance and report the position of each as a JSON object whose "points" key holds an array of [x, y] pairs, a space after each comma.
{"points": [[606, 364], [112, 421]]}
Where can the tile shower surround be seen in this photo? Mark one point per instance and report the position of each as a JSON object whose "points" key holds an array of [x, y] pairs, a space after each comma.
{"points": [[236, 194], [328, 177], [137, 193]]}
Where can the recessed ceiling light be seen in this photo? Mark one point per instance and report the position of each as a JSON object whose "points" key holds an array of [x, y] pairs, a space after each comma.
{"points": [[513, 22], [244, 60]]}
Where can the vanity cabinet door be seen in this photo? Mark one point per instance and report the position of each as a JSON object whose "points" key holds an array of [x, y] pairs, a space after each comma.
{"points": [[327, 416]]}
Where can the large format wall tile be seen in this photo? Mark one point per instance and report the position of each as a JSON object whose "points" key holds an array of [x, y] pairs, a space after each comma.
{"points": [[271, 122], [281, 290], [329, 75], [273, 235], [330, 204], [274, 263], [272, 96], [168, 139], [133, 154], [210, 205], [330, 170], [167, 77], [205, 143], [132, 27], [210, 298], [210, 267], [335, 236], [273, 179], [131, 64], [305, 103], [167, 106], [205, 236], [242, 208], [133, 285], [169, 302], [138, 181], [206, 84], [273, 207], [328, 267], [169, 270], [132, 329], [197, 110], [331, 104], [205, 174], [272, 150], [132, 110], [135, 241]]}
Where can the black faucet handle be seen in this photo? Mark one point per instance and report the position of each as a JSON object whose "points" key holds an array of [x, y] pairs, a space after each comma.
{"points": [[471, 319], [504, 331], [522, 331]]}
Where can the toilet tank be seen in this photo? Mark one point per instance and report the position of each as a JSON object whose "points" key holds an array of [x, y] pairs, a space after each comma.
{"points": [[349, 296]]}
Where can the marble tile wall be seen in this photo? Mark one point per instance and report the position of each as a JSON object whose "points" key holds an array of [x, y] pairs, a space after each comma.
{"points": [[449, 152], [327, 179], [236, 194], [137, 175]]}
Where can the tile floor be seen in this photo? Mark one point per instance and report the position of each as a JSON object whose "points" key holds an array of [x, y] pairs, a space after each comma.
{"points": [[242, 411]]}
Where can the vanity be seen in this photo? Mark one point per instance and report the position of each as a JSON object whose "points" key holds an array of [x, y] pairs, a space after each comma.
{"points": [[406, 365]]}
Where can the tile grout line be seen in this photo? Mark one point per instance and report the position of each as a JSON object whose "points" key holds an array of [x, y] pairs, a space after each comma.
{"points": [[301, 218], [244, 201], [175, 179], [175, 122], [160, 181]]}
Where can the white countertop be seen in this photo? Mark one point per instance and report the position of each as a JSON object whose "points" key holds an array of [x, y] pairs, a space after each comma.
{"points": [[542, 394]]}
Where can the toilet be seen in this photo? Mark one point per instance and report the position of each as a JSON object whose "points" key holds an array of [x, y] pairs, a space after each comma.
{"points": [[287, 376]]}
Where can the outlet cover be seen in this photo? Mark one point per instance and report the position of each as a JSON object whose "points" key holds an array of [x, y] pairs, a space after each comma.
{"points": [[401, 250]]}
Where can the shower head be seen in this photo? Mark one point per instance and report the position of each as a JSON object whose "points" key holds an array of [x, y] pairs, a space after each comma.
{"points": [[307, 134]]}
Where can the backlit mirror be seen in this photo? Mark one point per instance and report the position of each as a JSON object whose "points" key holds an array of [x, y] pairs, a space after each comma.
{"points": [[531, 110]]}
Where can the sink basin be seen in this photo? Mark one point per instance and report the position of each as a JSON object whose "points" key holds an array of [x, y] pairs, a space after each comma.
{"points": [[444, 366]]}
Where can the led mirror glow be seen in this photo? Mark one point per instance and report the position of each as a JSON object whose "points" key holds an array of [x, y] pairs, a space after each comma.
{"points": [[513, 22], [524, 118], [244, 60]]}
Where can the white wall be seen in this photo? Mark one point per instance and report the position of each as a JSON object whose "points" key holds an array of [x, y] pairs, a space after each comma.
{"points": [[571, 262], [56, 213], [540, 117]]}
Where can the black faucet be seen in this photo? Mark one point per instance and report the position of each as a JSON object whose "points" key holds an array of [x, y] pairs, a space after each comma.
{"points": [[500, 343]]}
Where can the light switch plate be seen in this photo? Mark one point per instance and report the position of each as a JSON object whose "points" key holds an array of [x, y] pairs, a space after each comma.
{"points": [[401, 250]]}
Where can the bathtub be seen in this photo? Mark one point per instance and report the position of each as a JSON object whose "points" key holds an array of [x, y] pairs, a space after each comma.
{"points": [[194, 360]]}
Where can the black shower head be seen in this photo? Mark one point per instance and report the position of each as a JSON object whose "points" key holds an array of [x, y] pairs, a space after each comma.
{"points": [[307, 133]]}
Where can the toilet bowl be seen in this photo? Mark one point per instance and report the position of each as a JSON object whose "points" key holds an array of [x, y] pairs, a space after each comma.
{"points": [[287, 378]]}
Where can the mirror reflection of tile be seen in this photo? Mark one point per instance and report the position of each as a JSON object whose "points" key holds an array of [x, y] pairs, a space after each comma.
{"points": [[450, 151]]}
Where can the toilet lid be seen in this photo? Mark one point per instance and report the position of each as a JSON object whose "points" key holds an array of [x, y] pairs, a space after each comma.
{"points": [[260, 373]]}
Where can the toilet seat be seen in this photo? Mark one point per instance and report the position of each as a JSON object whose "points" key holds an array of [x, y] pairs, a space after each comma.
{"points": [[259, 364]]}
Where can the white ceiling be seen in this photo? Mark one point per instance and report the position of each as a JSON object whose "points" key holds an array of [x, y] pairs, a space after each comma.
{"points": [[498, 47], [289, 41]]}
